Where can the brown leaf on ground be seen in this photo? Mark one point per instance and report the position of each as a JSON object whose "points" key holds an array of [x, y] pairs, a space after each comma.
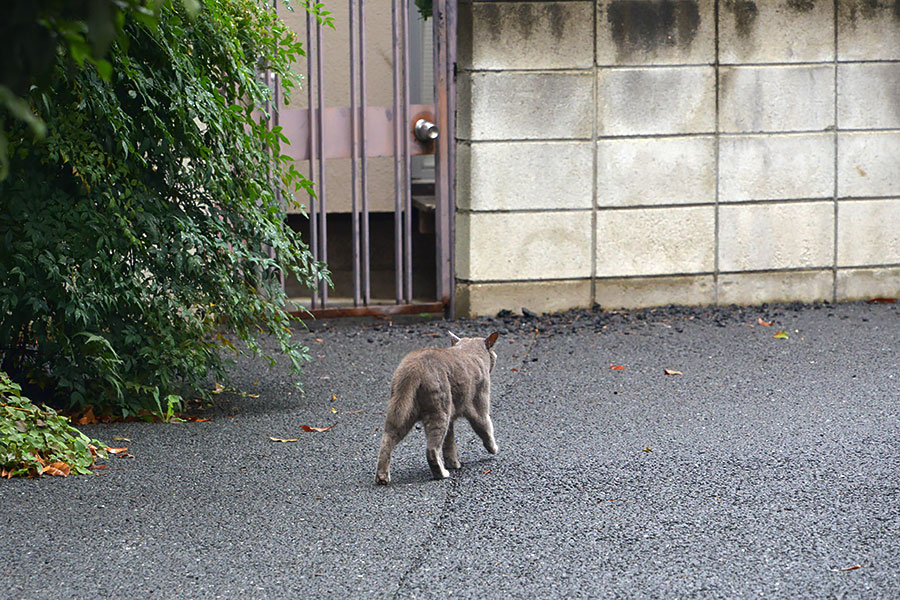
{"points": [[87, 417], [672, 372], [119, 438], [97, 467], [852, 568], [617, 367], [117, 450], [57, 469], [126, 455], [881, 300], [316, 429], [764, 323], [275, 439]]}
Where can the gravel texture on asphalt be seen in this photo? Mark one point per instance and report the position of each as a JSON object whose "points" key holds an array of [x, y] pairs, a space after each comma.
{"points": [[768, 468]]}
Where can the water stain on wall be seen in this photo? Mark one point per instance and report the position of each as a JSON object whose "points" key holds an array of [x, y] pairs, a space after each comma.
{"points": [[745, 13], [869, 9], [642, 26], [801, 5], [499, 19]]}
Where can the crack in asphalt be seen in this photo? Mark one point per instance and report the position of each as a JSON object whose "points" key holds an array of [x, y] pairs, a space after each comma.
{"points": [[419, 560]]}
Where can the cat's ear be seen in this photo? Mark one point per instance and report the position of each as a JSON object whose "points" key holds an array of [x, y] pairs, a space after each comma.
{"points": [[489, 342], [453, 337]]}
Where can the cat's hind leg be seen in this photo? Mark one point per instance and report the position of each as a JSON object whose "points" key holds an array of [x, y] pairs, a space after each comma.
{"points": [[450, 459], [485, 429], [393, 433], [436, 426]]}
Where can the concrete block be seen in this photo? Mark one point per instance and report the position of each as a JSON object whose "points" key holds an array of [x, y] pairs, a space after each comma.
{"points": [[655, 241], [639, 292], [869, 95], [793, 98], [774, 167], [523, 246], [523, 106], [774, 31], [868, 30], [786, 286], [647, 171], [656, 100], [868, 232], [865, 284], [776, 236], [524, 175], [656, 32], [484, 299], [868, 164], [526, 35]]}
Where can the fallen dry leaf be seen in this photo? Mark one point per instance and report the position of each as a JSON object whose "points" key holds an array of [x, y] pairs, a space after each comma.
{"points": [[117, 450], [647, 449], [672, 372], [87, 417], [97, 467], [196, 419], [126, 455], [514, 369], [275, 439], [218, 389], [780, 335], [57, 469], [881, 300], [764, 323], [319, 340], [485, 472], [316, 429], [119, 438], [617, 367], [852, 568]]}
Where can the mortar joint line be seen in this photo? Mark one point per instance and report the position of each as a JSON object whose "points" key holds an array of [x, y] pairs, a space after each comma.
{"points": [[716, 141], [834, 265]]}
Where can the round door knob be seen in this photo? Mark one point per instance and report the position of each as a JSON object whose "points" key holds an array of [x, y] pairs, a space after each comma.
{"points": [[425, 131]]}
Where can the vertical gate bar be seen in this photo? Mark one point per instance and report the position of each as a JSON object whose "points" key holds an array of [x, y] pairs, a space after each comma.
{"points": [[354, 151], [320, 92], [441, 176], [450, 24], [313, 146], [398, 190], [407, 172], [363, 183]]}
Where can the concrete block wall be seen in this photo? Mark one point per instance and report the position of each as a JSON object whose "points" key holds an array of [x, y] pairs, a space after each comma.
{"points": [[645, 152]]}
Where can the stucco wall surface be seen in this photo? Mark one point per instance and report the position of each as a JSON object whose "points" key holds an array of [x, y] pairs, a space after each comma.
{"points": [[645, 152]]}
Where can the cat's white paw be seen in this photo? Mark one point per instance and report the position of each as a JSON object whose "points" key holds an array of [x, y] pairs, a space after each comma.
{"points": [[452, 464], [492, 448], [382, 479]]}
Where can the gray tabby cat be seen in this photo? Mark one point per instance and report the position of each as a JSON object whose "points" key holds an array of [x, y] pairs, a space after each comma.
{"points": [[435, 386]]}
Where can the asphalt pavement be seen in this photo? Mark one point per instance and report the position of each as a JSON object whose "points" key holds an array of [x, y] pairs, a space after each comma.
{"points": [[768, 468]]}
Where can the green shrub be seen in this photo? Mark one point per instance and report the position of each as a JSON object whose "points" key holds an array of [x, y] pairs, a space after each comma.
{"points": [[34, 439], [151, 215]]}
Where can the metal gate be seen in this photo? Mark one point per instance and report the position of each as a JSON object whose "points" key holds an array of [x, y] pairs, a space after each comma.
{"points": [[320, 133]]}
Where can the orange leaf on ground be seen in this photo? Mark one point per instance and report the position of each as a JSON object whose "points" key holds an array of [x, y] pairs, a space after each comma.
{"points": [[882, 301], [58, 469], [97, 467], [672, 372], [764, 323], [126, 455], [87, 417], [780, 335], [317, 429], [514, 369], [117, 450], [617, 367], [853, 568]]}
